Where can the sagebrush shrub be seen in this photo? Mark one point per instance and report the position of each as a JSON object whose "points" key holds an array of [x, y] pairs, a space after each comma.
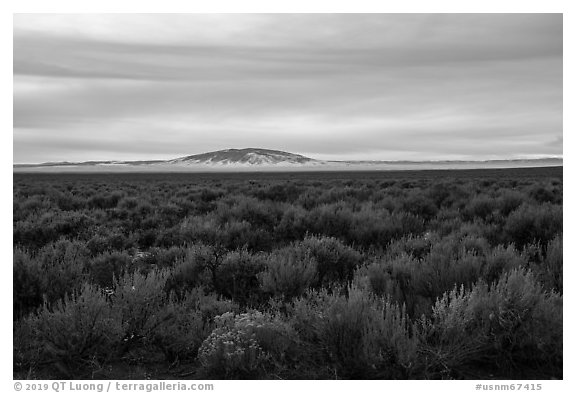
{"points": [[288, 273], [361, 335], [335, 261], [63, 266], [513, 323], [501, 260], [542, 193], [27, 347], [420, 205], [105, 268], [198, 267], [237, 277], [179, 329], [78, 330], [292, 225], [333, 220], [551, 269], [137, 300], [417, 246], [28, 283], [530, 224], [481, 206], [509, 201]]}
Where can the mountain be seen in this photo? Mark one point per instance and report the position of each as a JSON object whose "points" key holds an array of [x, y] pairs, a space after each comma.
{"points": [[254, 159], [245, 157]]}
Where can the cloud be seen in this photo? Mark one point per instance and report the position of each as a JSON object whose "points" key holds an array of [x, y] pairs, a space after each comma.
{"points": [[348, 85]]}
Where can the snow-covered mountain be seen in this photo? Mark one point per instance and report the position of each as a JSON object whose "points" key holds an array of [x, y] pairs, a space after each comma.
{"points": [[245, 157]]}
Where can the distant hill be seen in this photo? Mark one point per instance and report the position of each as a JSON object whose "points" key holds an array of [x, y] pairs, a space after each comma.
{"points": [[249, 156], [255, 159]]}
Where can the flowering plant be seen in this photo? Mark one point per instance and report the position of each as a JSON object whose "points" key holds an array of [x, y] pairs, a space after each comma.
{"points": [[244, 345]]}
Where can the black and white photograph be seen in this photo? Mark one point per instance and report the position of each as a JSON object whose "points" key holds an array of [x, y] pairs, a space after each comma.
{"points": [[287, 196]]}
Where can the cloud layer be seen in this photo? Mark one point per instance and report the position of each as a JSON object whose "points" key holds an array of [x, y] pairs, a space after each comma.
{"points": [[336, 86]]}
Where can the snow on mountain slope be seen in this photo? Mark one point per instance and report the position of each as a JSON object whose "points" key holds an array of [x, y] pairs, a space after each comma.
{"points": [[245, 157]]}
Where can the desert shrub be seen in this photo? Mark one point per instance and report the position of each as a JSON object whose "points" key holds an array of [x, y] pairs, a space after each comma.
{"points": [[181, 327], [197, 268], [128, 203], [231, 234], [170, 237], [67, 201], [27, 348], [534, 254], [360, 335], [63, 264], [146, 238], [309, 198], [144, 209], [249, 345], [416, 246], [473, 242], [550, 271], [118, 241], [209, 305], [57, 269], [391, 278], [202, 229], [530, 224], [417, 283], [98, 244], [378, 228], [106, 267], [335, 261], [542, 193], [512, 324], [157, 258], [237, 277], [447, 221], [65, 224], [481, 206], [419, 205], [292, 225], [105, 201], [501, 260], [458, 198], [509, 201], [78, 331], [236, 234], [210, 194], [167, 257], [288, 273], [137, 300], [450, 262], [260, 214], [375, 277], [25, 207], [280, 192], [40, 230], [439, 193], [28, 283], [331, 220], [170, 213]]}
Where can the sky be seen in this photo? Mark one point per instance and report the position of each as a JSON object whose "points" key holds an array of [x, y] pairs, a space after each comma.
{"points": [[328, 86]]}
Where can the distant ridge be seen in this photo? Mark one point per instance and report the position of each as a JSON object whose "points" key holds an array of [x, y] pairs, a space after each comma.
{"points": [[256, 159]]}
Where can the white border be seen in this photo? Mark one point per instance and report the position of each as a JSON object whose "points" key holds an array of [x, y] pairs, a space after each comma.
{"points": [[247, 6]]}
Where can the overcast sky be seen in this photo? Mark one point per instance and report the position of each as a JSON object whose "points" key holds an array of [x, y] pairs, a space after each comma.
{"points": [[329, 86]]}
